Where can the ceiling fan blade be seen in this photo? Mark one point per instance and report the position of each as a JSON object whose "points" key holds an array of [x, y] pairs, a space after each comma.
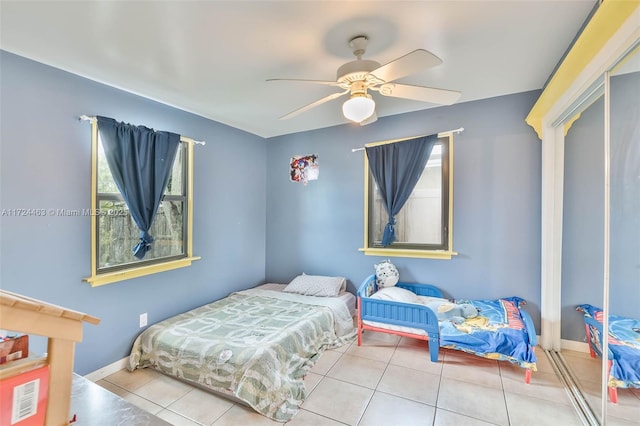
{"points": [[328, 83], [314, 104], [373, 118], [411, 63], [420, 93]]}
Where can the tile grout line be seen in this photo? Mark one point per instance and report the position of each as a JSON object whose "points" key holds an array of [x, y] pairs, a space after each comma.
{"points": [[504, 395], [375, 389], [435, 412]]}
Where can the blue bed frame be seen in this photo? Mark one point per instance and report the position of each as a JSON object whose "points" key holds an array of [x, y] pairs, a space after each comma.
{"points": [[398, 313]]}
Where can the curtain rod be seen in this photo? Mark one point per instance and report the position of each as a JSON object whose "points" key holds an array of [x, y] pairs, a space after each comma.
{"points": [[441, 134], [182, 138]]}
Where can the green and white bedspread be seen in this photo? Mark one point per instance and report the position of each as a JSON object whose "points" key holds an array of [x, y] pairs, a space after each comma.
{"points": [[256, 344]]}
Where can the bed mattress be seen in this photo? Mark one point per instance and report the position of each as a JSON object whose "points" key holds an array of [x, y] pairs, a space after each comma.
{"points": [[255, 344], [348, 298]]}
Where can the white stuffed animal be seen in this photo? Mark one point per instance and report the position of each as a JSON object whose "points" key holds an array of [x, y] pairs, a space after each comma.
{"points": [[386, 274]]}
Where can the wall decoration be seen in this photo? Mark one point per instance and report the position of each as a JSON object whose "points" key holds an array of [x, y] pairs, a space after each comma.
{"points": [[304, 168]]}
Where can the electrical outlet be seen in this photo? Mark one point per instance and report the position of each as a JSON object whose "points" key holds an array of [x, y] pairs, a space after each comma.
{"points": [[143, 319]]}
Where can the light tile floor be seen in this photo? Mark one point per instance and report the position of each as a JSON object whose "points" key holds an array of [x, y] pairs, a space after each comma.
{"points": [[387, 381]]}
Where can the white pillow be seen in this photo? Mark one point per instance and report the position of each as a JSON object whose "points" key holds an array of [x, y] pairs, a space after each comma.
{"points": [[425, 300], [396, 294], [316, 285]]}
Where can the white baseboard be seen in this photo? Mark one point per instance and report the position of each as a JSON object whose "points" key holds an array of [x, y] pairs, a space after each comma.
{"points": [[573, 345], [105, 371]]}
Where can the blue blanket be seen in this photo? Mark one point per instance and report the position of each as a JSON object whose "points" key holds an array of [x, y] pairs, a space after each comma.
{"points": [[624, 347], [498, 332]]}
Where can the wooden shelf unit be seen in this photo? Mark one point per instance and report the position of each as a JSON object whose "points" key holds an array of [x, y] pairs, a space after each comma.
{"points": [[63, 327]]}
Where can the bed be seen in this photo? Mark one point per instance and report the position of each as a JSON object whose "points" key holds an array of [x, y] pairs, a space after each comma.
{"points": [[254, 346], [502, 331], [624, 347]]}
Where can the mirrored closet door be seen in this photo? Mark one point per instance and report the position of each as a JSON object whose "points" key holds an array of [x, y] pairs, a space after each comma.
{"points": [[601, 235]]}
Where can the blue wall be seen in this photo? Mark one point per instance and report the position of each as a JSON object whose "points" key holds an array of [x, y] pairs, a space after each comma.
{"points": [[45, 163], [252, 224], [318, 228], [583, 222]]}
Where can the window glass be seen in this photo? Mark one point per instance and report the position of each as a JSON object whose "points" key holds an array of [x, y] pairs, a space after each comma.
{"points": [[117, 232], [423, 223]]}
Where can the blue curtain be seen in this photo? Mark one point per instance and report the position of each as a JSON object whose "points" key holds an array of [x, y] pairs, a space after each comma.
{"points": [[396, 168], [140, 160]]}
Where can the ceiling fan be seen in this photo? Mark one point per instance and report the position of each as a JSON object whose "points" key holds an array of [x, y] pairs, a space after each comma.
{"points": [[359, 76]]}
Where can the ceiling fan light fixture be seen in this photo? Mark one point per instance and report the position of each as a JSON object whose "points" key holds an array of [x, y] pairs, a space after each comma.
{"points": [[362, 75], [359, 107]]}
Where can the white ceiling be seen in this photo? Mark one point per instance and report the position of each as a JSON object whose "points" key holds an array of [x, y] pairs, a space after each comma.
{"points": [[212, 57]]}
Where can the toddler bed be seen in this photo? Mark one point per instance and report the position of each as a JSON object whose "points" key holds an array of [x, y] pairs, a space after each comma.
{"points": [[624, 347], [255, 345], [502, 330]]}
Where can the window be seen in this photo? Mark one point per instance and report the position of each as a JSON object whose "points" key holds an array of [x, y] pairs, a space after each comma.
{"points": [[114, 232], [424, 224]]}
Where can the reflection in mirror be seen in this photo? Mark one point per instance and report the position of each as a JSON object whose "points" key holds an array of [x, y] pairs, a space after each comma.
{"points": [[624, 282], [583, 248]]}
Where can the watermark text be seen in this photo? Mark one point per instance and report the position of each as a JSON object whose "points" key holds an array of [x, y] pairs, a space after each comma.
{"points": [[29, 212]]}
